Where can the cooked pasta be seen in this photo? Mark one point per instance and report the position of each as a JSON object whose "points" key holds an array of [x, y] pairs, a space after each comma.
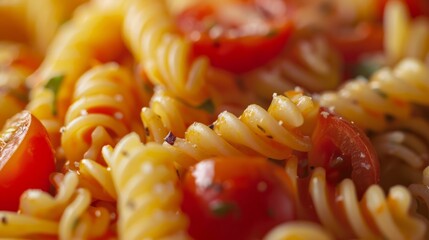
{"points": [[308, 61], [389, 215], [273, 133], [104, 97], [167, 113], [216, 119], [148, 201], [93, 35], [404, 37], [67, 215], [389, 93], [36, 26], [152, 38], [298, 231]]}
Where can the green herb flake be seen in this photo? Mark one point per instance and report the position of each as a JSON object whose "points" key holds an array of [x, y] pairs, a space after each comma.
{"points": [[54, 84], [221, 209], [366, 68], [207, 106]]}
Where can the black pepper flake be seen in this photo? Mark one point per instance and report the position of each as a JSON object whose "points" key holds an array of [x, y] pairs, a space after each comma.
{"points": [[4, 220], [131, 205], [260, 128], [389, 118], [170, 138], [147, 131], [125, 153], [312, 167], [211, 126], [270, 137]]}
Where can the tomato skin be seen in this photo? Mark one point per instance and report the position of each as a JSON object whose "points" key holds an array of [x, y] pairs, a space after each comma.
{"points": [[344, 151], [26, 160], [236, 198], [236, 54]]}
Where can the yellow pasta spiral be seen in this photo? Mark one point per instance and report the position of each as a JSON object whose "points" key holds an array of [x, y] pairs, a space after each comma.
{"points": [[167, 113], [274, 133], [151, 35], [389, 93], [92, 35], [298, 230], [104, 98], [403, 151], [374, 216], [308, 61], [68, 215], [404, 37], [148, 192]]}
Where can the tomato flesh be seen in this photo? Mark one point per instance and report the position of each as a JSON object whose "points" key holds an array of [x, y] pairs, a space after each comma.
{"points": [[26, 159], [236, 198], [344, 151], [237, 44]]}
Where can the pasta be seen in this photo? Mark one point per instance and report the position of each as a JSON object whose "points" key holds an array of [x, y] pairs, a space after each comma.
{"points": [[104, 99], [150, 34], [148, 183], [273, 133], [389, 93], [180, 119]]}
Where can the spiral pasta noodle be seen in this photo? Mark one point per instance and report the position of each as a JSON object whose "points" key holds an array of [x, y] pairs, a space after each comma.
{"points": [[388, 94], [78, 44], [308, 61], [166, 113], [149, 198], [403, 151], [36, 26], [104, 98], [404, 38], [151, 35], [272, 133], [298, 230], [67, 215], [375, 215]]}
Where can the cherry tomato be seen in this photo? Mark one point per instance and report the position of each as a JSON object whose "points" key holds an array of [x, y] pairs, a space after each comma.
{"points": [[344, 151], [354, 42], [26, 158], [237, 36], [236, 198]]}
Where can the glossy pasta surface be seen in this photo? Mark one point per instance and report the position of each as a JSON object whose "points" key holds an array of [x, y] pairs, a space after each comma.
{"points": [[136, 101]]}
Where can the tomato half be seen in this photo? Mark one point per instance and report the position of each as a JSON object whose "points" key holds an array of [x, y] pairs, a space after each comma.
{"points": [[237, 36], [26, 158], [236, 198], [344, 151]]}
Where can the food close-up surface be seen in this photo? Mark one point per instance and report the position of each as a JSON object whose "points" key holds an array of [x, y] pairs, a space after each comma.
{"points": [[214, 119]]}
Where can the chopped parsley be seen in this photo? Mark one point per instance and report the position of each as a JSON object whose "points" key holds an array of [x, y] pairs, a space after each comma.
{"points": [[54, 84]]}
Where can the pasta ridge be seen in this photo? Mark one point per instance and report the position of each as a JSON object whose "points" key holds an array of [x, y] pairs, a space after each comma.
{"points": [[148, 203]]}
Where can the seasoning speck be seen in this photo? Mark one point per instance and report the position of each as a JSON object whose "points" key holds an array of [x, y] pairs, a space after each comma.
{"points": [[170, 138]]}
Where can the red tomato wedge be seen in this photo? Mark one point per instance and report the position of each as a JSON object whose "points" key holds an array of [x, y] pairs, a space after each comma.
{"points": [[236, 198], [237, 36], [344, 151], [26, 159]]}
